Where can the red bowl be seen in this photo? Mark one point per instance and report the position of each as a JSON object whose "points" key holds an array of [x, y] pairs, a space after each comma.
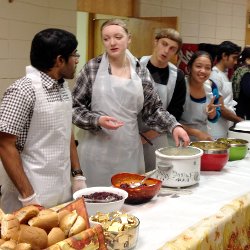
{"points": [[140, 194], [213, 162], [215, 154]]}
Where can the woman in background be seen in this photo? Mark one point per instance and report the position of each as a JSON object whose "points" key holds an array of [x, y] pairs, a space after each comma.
{"points": [[202, 98], [241, 85], [110, 91]]}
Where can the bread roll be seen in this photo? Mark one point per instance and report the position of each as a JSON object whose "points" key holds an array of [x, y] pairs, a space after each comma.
{"points": [[45, 211], [23, 246], [36, 237], [2, 241], [26, 213], [8, 245], [1, 215], [67, 222], [55, 235], [78, 226], [62, 213], [45, 221], [9, 227]]}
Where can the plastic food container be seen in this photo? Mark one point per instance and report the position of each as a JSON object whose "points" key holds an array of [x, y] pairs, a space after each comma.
{"points": [[120, 230], [178, 166]]}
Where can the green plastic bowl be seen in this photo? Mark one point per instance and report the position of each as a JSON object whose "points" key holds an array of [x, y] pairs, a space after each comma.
{"points": [[238, 149]]}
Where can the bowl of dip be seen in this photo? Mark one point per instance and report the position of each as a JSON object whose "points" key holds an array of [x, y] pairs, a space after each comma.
{"points": [[102, 199]]}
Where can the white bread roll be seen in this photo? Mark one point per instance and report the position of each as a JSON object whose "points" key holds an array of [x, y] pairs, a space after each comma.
{"points": [[36, 237], [23, 246], [45, 221], [78, 226], [67, 222], [62, 213], [55, 235], [26, 213], [45, 211], [2, 241], [9, 226], [8, 245], [1, 215]]}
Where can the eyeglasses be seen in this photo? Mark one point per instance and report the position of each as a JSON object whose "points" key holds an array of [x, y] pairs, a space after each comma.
{"points": [[76, 55]]}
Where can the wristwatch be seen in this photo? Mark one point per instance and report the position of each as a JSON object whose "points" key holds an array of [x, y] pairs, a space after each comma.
{"points": [[76, 172]]}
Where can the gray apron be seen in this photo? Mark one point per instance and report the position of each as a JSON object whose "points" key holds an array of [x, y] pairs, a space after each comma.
{"points": [[194, 114], [112, 151], [163, 140], [46, 154]]}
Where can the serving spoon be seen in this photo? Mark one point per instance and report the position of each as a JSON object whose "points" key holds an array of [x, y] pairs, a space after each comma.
{"points": [[140, 183], [108, 199]]}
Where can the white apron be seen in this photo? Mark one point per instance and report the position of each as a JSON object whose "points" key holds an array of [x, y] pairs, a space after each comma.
{"points": [[194, 114], [220, 128], [163, 140], [46, 154], [112, 151]]}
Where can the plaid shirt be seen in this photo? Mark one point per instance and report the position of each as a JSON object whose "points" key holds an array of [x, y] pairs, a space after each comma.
{"points": [[152, 113], [18, 103]]}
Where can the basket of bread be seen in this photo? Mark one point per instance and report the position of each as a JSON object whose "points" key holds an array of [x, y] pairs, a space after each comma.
{"points": [[35, 227]]}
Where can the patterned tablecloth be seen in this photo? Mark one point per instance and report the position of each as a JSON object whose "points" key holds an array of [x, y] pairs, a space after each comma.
{"points": [[228, 229], [214, 214]]}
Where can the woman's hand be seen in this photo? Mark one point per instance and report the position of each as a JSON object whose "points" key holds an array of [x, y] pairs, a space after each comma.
{"points": [[211, 108], [109, 122]]}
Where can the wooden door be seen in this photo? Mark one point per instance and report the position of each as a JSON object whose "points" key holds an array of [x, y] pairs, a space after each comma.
{"points": [[142, 33]]}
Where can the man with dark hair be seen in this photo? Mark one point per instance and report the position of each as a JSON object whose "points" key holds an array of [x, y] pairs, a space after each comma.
{"points": [[37, 146], [227, 56]]}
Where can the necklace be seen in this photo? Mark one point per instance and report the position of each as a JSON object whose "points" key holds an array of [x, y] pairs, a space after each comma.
{"points": [[121, 72]]}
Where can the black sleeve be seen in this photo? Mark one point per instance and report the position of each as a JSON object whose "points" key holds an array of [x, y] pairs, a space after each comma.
{"points": [[175, 106]]}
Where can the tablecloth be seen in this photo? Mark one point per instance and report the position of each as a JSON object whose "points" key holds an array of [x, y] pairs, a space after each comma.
{"points": [[200, 213]]}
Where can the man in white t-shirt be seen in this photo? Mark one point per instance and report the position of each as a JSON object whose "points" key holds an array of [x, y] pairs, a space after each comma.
{"points": [[227, 56]]}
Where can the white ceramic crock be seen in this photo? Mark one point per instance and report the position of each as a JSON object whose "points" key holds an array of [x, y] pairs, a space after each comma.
{"points": [[178, 170]]}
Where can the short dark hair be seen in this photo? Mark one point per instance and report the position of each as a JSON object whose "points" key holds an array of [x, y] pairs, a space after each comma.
{"points": [[228, 48], [245, 54], [48, 44]]}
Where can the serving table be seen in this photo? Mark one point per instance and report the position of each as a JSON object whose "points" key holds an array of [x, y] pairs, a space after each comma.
{"points": [[213, 214]]}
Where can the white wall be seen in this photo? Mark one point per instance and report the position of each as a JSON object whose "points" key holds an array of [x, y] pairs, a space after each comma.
{"points": [[210, 21], [19, 22], [203, 21]]}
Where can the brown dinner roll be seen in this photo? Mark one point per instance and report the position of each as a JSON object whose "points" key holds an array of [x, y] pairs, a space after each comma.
{"points": [[26, 213], [78, 226], [36, 237], [46, 211], [1, 215], [45, 221], [67, 222], [62, 213], [8, 245], [23, 246], [2, 241], [9, 226], [55, 235]]}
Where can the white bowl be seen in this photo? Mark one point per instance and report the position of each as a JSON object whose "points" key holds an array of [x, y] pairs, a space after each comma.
{"points": [[104, 207]]}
